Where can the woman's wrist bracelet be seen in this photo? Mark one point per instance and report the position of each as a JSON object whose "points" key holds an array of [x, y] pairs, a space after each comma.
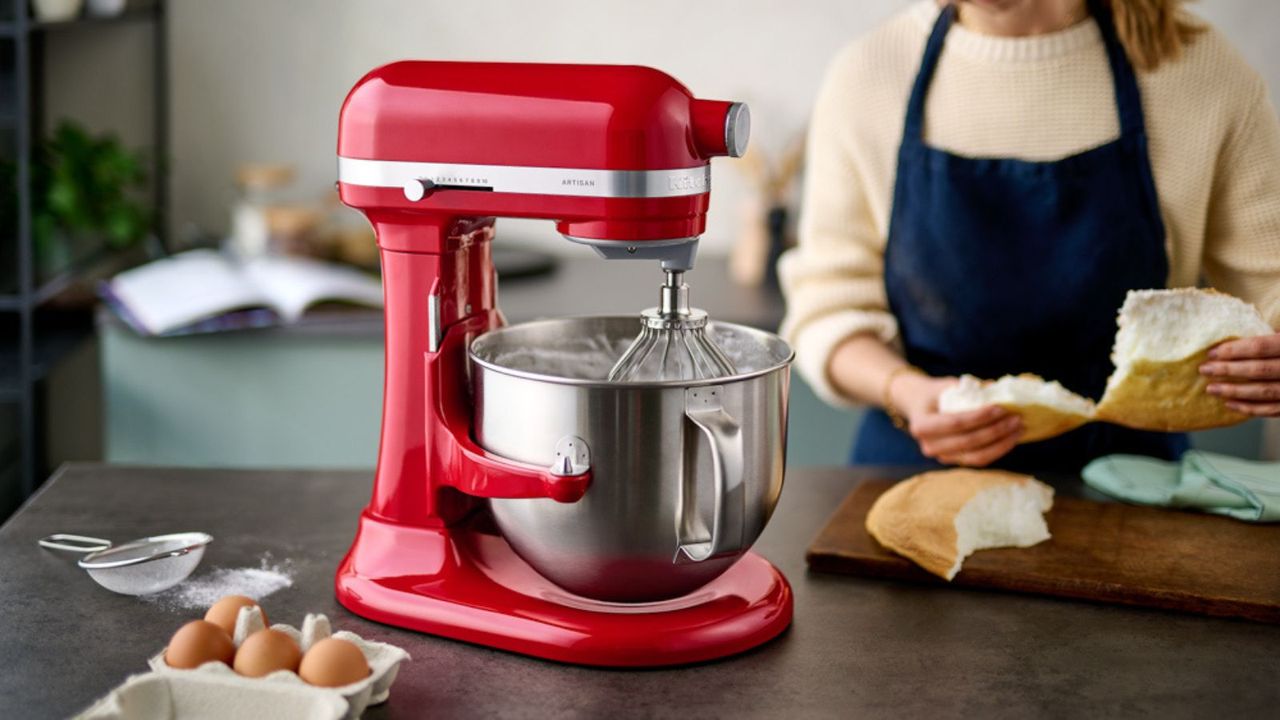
{"points": [[895, 416]]}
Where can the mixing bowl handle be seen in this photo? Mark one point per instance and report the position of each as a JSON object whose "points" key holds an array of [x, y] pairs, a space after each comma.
{"points": [[705, 410]]}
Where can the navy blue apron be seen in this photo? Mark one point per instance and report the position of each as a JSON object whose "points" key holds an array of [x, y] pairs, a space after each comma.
{"points": [[997, 265]]}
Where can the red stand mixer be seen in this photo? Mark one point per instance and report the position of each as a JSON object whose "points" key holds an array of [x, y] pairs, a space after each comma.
{"points": [[618, 157]]}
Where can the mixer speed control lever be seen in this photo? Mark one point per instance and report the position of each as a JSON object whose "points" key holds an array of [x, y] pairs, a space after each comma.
{"points": [[415, 190]]}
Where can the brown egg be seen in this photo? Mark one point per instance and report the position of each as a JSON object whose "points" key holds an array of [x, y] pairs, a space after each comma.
{"points": [[265, 652], [225, 611], [333, 662], [197, 643]]}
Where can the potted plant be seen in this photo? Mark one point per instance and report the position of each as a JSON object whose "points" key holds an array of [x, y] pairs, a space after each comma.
{"points": [[84, 196]]}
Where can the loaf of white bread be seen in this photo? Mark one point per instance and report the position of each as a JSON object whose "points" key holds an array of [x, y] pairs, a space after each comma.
{"points": [[1047, 408], [1163, 338], [937, 519]]}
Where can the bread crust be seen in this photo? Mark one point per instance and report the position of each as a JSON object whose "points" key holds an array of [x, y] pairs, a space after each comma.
{"points": [[1041, 422], [916, 517], [1165, 396]]}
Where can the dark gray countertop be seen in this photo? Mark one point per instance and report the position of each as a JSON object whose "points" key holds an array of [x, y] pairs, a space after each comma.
{"points": [[858, 647], [580, 285]]}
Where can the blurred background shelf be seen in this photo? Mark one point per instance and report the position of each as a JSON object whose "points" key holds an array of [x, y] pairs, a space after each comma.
{"points": [[11, 28], [100, 262], [54, 339], [46, 313]]}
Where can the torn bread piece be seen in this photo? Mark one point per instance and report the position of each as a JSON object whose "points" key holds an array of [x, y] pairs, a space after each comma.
{"points": [[937, 519], [1163, 339], [1045, 406]]}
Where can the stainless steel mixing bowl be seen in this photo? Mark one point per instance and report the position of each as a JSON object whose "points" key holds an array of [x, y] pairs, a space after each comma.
{"points": [[684, 474]]}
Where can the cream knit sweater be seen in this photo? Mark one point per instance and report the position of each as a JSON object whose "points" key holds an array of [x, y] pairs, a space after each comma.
{"points": [[1214, 145]]}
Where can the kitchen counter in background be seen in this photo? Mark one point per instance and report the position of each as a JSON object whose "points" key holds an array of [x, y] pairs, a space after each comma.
{"points": [[857, 647], [309, 396]]}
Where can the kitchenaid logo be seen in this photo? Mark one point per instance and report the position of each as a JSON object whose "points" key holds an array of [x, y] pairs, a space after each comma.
{"points": [[578, 182], [461, 180], [685, 183]]}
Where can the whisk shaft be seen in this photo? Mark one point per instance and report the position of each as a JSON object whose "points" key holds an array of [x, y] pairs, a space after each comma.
{"points": [[673, 342]]}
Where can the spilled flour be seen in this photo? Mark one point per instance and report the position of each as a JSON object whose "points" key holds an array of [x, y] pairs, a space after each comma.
{"points": [[201, 591]]}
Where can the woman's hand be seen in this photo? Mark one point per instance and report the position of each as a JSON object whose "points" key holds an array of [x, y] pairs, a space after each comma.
{"points": [[1246, 373], [976, 438]]}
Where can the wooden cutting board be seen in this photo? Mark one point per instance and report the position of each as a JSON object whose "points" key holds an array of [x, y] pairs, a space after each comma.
{"points": [[1104, 552]]}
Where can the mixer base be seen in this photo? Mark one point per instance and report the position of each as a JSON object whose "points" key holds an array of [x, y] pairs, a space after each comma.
{"points": [[468, 584]]}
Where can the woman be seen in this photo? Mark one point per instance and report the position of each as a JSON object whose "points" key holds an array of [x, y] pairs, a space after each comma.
{"points": [[987, 178]]}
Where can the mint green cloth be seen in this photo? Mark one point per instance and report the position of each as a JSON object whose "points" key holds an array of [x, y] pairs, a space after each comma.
{"points": [[1220, 484]]}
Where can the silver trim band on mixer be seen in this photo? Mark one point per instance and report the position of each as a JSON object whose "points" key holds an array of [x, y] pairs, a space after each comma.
{"points": [[575, 182]]}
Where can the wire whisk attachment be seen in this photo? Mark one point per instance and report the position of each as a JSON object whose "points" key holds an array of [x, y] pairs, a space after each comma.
{"points": [[673, 343]]}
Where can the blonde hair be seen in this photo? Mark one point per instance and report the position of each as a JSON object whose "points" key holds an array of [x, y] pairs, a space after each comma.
{"points": [[1153, 31]]}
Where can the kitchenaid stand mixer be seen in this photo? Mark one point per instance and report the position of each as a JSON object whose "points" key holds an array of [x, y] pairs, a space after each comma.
{"points": [[618, 157]]}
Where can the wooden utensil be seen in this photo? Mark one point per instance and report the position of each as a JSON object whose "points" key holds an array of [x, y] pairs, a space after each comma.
{"points": [[1103, 552]]}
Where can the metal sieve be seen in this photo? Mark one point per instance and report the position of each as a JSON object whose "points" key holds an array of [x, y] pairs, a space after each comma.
{"points": [[139, 567]]}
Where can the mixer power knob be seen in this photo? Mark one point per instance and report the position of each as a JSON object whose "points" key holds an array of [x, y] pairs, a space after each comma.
{"points": [[737, 129], [415, 190]]}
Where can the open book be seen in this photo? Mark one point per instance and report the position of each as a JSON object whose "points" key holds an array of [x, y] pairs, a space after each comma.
{"points": [[205, 291]]}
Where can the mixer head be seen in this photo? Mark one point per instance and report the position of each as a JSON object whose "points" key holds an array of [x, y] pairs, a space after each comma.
{"points": [[673, 343], [618, 156]]}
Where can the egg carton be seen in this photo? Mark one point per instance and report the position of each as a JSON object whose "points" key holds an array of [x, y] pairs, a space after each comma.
{"points": [[384, 663], [178, 695]]}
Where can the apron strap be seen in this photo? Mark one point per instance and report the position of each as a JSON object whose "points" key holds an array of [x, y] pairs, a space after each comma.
{"points": [[1128, 98], [914, 128], [1125, 82]]}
